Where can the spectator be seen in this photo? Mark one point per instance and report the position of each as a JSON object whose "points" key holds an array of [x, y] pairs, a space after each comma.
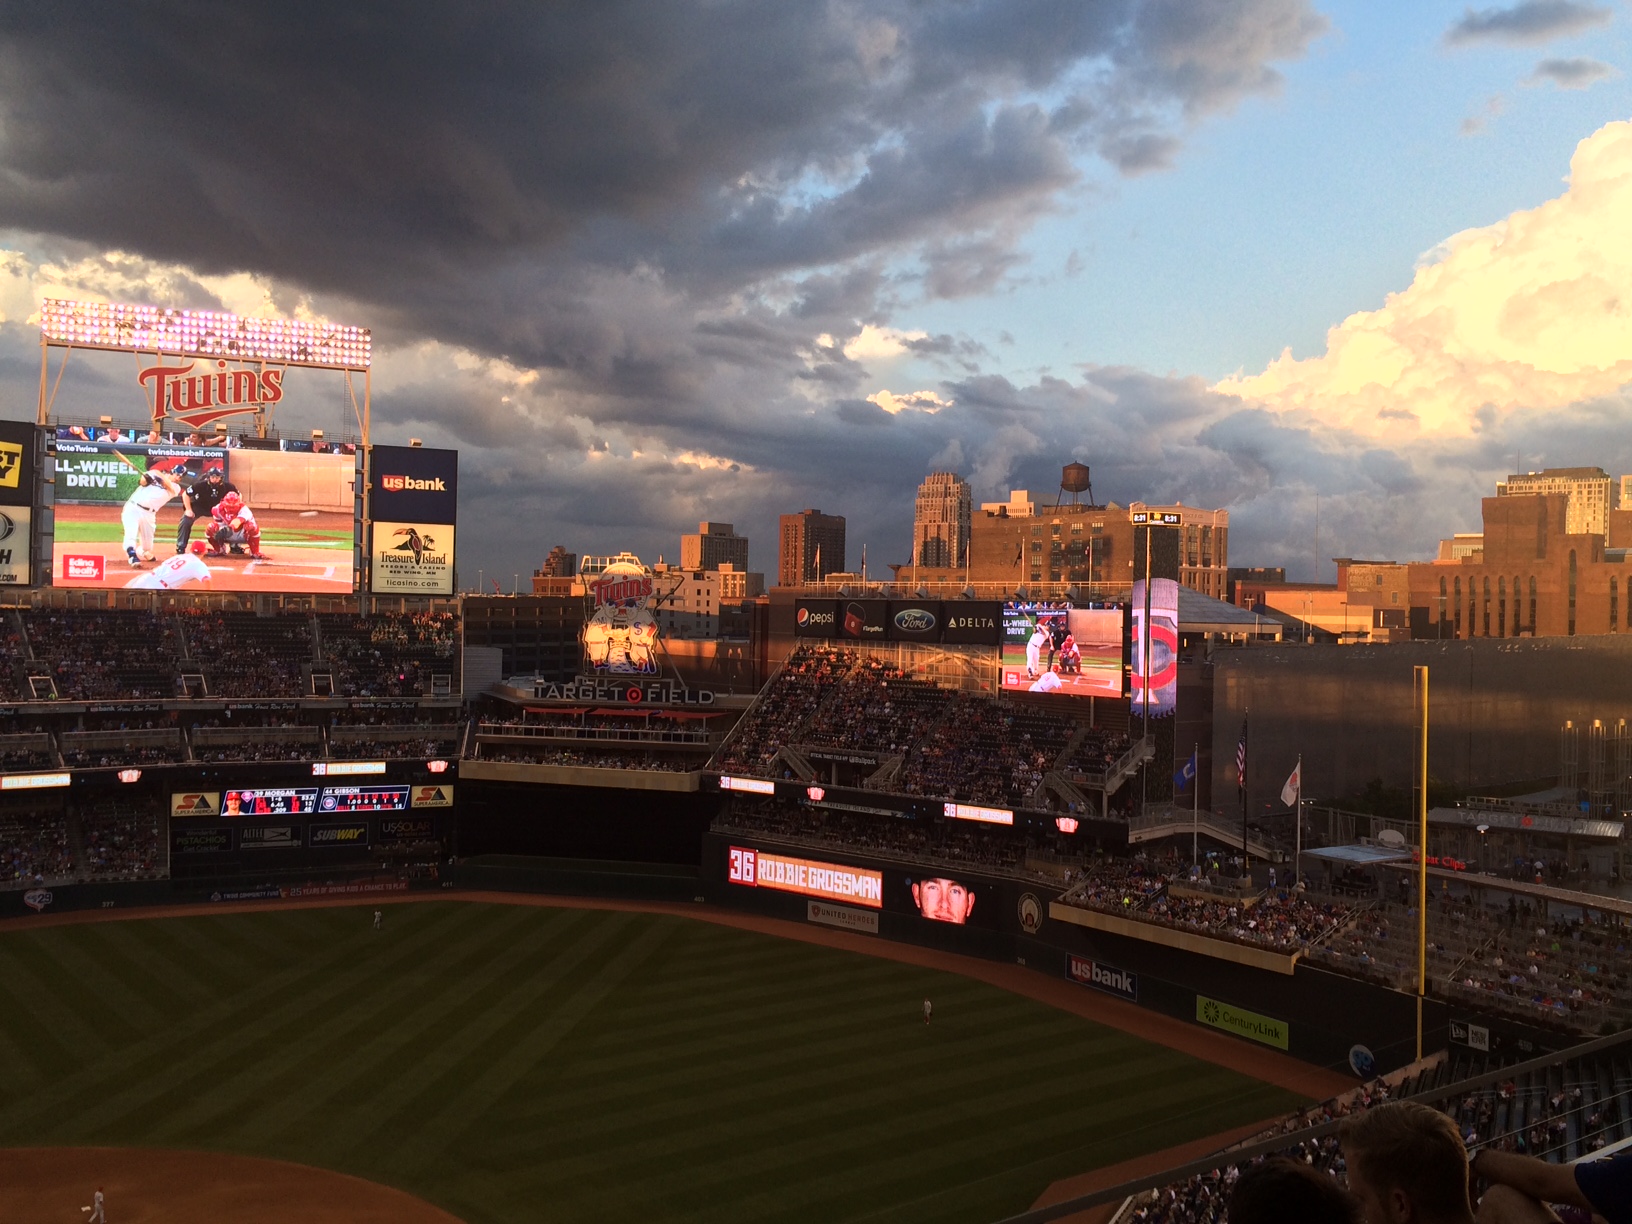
{"points": [[1522, 1186], [1283, 1191], [1406, 1165]]}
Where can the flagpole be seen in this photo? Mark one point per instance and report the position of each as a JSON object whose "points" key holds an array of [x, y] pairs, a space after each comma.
{"points": [[1244, 762], [1195, 811], [1297, 853]]}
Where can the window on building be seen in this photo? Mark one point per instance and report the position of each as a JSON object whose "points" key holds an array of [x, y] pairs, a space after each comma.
{"points": [[1485, 611], [1440, 630], [1517, 623], [1394, 597], [1532, 605], [1614, 605], [1456, 602], [1571, 629], [1501, 607]]}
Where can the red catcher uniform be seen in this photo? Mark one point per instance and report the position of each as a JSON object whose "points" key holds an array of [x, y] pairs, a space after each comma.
{"points": [[232, 522]]}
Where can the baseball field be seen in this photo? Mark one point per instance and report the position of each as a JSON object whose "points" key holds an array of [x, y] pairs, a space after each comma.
{"points": [[530, 1063]]}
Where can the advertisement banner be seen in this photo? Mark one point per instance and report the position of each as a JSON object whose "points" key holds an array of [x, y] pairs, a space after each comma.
{"points": [[17, 442], [269, 837], [1118, 982], [324, 836], [1242, 1023], [413, 558], [834, 881], [975, 623], [865, 620], [203, 517], [347, 799], [16, 555], [439, 796], [413, 484], [196, 803], [201, 841], [915, 621], [841, 916], [815, 617], [404, 829], [1162, 684]]}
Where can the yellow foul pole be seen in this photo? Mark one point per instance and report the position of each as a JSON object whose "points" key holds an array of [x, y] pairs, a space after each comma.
{"points": [[1419, 676]]}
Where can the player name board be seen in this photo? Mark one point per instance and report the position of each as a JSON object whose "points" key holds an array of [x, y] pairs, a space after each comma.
{"points": [[288, 801], [365, 799]]}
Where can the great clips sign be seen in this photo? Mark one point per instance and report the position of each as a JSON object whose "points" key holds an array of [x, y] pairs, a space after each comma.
{"points": [[409, 484]]}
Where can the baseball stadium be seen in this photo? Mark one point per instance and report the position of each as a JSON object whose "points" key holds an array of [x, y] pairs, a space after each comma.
{"points": [[329, 893]]}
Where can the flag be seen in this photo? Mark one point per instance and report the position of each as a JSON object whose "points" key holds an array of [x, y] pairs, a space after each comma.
{"points": [[1187, 774], [1293, 790], [1241, 758]]}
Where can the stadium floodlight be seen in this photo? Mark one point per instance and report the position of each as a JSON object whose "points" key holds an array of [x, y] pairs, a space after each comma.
{"points": [[205, 333]]}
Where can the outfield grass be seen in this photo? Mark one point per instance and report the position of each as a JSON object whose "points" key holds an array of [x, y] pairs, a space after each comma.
{"points": [[529, 1064]]}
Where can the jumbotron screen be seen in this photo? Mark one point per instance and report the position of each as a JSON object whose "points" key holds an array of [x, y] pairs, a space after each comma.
{"points": [[1051, 647], [165, 517]]}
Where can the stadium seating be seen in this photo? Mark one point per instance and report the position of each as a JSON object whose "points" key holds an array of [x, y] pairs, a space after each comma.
{"points": [[390, 654], [93, 656], [242, 655], [1558, 1108]]}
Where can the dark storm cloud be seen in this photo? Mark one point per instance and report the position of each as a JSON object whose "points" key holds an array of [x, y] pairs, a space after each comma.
{"points": [[653, 206], [1533, 21], [1578, 72]]}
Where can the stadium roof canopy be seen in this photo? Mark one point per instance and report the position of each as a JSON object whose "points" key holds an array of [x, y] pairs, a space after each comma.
{"points": [[1200, 613], [1358, 856]]}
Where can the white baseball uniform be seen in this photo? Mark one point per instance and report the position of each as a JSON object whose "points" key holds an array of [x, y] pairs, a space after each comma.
{"points": [[1048, 682], [141, 515], [171, 573], [1034, 648], [97, 1216]]}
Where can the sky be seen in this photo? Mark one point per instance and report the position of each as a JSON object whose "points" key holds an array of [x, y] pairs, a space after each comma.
{"points": [[647, 263]]}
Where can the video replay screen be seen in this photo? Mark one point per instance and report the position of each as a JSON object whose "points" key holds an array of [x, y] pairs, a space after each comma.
{"points": [[1052, 647]]}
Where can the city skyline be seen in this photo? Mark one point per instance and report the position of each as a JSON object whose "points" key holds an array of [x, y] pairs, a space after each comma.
{"points": [[1295, 248]]}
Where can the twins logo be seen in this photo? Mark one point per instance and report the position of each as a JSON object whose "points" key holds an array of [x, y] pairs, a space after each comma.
{"points": [[1030, 911], [37, 899]]}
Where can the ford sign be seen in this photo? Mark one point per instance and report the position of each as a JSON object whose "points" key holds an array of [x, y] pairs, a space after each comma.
{"points": [[915, 620]]}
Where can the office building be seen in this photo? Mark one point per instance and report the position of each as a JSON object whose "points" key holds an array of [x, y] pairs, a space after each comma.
{"points": [[810, 547], [714, 545], [1589, 492], [940, 521]]}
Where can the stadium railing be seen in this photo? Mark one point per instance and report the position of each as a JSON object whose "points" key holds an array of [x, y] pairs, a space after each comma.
{"points": [[1604, 1071]]}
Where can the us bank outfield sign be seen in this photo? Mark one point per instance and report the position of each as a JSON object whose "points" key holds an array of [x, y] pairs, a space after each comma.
{"points": [[413, 503]]}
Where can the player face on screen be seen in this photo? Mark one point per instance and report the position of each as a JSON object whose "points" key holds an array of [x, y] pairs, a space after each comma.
{"points": [[233, 805], [943, 900]]}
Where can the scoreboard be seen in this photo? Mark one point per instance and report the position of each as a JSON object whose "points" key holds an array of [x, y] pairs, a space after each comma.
{"points": [[365, 799], [276, 801]]}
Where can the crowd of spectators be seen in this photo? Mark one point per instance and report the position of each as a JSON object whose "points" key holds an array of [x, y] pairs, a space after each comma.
{"points": [[588, 759], [393, 749], [1557, 1113], [1096, 752], [248, 656], [596, 725], [389, 654], [942, 844], [954, 745], [94, 657], [35, 848], [121, 841]]}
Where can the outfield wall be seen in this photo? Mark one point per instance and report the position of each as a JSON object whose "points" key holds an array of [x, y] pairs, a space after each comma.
{"points": [[1313, 1014]]}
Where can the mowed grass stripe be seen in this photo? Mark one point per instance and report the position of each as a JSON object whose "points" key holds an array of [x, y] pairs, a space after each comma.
{"points": [[538, 1065], [178, 1059], [79, 1020], [327, 1037], [217, 1067], [109, 978], [468, 1049], [369, 1051], [465, 1109]]}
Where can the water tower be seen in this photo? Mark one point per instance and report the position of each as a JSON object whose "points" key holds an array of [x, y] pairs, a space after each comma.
{"points": [[1075, 480]]}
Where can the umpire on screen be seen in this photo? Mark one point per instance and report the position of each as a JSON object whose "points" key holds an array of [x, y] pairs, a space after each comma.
{"points": [[198, 499]]}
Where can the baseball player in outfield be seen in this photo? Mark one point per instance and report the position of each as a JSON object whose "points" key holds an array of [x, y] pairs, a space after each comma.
{"points": [[97, 1216], [186, 570], [141, 513]]}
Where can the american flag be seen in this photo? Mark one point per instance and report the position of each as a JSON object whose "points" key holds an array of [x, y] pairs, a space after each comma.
{"points": [[1241, 758]]}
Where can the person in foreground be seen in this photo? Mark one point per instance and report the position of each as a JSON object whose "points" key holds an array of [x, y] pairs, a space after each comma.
{"points": [[1407, 1165], [1521, 1187], [1283, 1191]]}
